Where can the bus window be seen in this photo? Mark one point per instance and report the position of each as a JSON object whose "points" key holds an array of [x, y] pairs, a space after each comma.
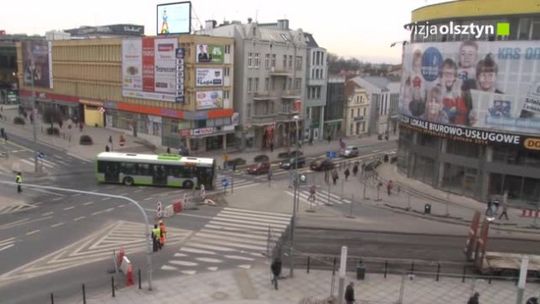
{"points": [[186, 172], [127, 168]]}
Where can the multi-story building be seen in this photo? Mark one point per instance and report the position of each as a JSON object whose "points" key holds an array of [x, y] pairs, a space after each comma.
{"points": [[172, 91], [335, 102], [383, 97], [356, 110], [315, 100], [270, 75], [470, 101]]}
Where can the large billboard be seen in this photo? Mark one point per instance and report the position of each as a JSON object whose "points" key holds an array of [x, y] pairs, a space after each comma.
{"points": [[209, 53], [492, 85], [209, 100], [37, 63], [149, 68], [209, 77], [174, 18]]}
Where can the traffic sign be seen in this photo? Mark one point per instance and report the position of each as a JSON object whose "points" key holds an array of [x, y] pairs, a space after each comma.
{"points": [[331, 154], [40, 155], [224, 182]]}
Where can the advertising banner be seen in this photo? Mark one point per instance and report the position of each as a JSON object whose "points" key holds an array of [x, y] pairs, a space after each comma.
{"points": [[209, 100], [149, 68], [180, 54], [37, 63], [174, 18], [491, 85], [209, 77], [209, 53]]}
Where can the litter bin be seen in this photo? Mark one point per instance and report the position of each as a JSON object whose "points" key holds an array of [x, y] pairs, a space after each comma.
{"points": [[427, 209], [360, 271]]}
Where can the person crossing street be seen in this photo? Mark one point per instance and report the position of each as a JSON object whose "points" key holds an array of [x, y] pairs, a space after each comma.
{"points": [[18, 180], [162, 233], [276, 271]]}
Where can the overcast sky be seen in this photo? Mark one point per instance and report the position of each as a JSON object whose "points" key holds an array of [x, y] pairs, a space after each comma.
{"points": [[349, 28]]}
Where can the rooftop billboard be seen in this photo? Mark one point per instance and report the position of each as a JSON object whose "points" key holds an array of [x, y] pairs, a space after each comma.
{"points": [[491, 85], [174, 18]]}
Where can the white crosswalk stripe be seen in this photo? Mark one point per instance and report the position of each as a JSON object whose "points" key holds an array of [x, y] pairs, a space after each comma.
{"points": [[15, 207], [322, 197], [7, 243], [233, 236]]}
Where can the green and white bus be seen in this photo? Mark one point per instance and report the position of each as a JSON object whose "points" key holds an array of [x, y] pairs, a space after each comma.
{"points": [[156, 170]]}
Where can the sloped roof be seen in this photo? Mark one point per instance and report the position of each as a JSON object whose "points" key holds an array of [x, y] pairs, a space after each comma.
{"points": [[310, 41]]}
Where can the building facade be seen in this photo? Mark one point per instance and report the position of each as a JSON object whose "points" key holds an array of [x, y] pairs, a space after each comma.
{"points": [[335, 103], [356, 110], [469, 103], [155, 88], [383, 99], [315, 99], [270, 78]]}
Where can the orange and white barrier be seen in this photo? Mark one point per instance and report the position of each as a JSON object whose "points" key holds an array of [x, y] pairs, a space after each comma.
{"points": [[127, 269], [529, 213]]}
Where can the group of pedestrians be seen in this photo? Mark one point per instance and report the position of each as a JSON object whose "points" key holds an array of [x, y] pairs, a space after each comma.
{"points": [[335, 176], [158, 236], [493, 206]]}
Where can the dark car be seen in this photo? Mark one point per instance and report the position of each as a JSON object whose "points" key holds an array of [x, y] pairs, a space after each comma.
{"points": [[291, 162], [259, 168], [322, 164], [290, 154], [373, 165]]}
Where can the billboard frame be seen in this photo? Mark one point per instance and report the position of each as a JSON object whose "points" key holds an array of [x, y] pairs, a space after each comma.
{"points": [[173, 33]]}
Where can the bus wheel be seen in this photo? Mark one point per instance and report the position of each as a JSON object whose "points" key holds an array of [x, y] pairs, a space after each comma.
{"points": [[128, 181], [188, 184]]}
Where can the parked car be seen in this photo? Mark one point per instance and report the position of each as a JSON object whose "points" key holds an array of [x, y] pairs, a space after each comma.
{"points": [[373, 165], [350, 151], [290, 163], [261, 158], [322, 164], [258, 168], [290, 154]]}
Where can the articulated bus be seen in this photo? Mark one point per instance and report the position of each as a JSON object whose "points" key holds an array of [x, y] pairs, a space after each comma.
{"points": [[156, 170]]}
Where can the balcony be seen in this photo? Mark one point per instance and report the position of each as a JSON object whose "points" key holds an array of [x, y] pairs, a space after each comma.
{"points": [[279, 72], [359, 118], [262, 96], [291, 94]]}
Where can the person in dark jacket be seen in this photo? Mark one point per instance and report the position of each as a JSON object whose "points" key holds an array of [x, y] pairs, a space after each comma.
{"points": [[276, 271], [349, 293], [347, 173], [474, 299]]}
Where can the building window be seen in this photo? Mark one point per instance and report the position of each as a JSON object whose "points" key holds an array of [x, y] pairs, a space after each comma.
{"points": [[228, 49], [266, 84], [290, 62], [226, 71], [284, 62], [249, 110], [256, 84], [267, 61], [250, 83], [226, 94], [250, 60], [297, 83], [289, 83], [298, 63], [273, 60], [351, 129], [257, 60], [352, 113]]}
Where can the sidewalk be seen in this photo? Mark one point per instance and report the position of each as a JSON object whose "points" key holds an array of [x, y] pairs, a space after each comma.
{"points": [[253, 286]]}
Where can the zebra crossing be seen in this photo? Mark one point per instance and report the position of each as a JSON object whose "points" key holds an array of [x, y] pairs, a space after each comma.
{"points": [[49, 162], [7, 243], [233, 238], [234, 181], [322, 198], [16, 206]]}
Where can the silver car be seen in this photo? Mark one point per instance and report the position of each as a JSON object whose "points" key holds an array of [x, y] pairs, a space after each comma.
{"points": [[350, 151]]}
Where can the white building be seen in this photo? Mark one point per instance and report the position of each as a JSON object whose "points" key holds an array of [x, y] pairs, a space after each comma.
{"points": [[355, 110]]}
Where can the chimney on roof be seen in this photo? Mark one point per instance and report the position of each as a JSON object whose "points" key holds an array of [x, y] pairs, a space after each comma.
{"points": [[210, 24], [283, 24], [249, 20]]}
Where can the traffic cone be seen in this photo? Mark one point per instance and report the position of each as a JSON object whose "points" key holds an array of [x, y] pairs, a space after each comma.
{"points": [[129, 276]]}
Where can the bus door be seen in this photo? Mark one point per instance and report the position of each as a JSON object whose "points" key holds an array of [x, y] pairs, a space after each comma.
{"points": [[159, 176], [205, 177], [112, 172]]}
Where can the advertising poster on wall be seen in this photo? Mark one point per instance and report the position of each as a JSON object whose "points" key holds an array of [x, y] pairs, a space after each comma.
{"points": [[209, 53], [477, 84], [209, 77], [209, 100], [37, 63], [149, 68]]}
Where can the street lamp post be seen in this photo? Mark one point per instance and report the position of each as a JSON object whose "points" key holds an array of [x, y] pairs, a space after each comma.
{"points": [[147, 224], [295, 197], [34, 117]]}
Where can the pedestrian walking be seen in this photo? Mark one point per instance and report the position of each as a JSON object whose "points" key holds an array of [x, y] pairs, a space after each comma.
{"points": [[163, 232], [329, 138], [81, 126], [2, 132], [269, 174], [335, 176], [474, 299], [326, 176], [18, 180], [504, 206], [155, 238], [107, 149], [347, 173], [276, 271], [168, 150], [349, 293], [489, 207], [389, 187], [355, 169], [271, 147], [312, 191]]}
